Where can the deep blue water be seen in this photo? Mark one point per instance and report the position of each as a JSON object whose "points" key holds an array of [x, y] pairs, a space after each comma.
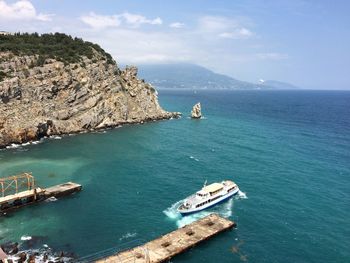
{"points": [[289, 151]]}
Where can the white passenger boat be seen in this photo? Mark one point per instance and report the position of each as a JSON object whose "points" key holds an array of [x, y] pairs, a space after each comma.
{"points": [[208, 196]]}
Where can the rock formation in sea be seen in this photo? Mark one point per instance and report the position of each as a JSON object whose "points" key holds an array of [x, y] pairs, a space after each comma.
{"points": [[44, 93], [196, 112], [30, 251]]}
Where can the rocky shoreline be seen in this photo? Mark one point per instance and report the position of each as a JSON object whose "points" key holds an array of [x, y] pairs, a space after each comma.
{"points": [[57, 99], [39, 138], [30, 252], [172, 115]]}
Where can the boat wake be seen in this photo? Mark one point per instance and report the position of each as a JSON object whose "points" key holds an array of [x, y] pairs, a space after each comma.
{"points": [[171, 212], [128, 235], [224, 210], [241, 195]]}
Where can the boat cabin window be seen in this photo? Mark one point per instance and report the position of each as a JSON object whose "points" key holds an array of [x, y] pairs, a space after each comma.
{"points": [[215, 192], [232, 188], [203, 203]]}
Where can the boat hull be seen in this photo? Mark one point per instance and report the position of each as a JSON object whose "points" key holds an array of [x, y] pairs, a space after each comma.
{"points": [[216, 202]]}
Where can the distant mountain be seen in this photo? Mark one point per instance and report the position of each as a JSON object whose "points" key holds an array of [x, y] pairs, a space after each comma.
{"points": [[190, 76], [277, 85]]}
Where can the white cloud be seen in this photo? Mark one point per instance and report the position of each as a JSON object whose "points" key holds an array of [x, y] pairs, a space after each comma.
{"points": [[136, 20], [176, 25], [100, 21], [215, 23], [125, 19], [272, 56], [203, 43], [237, 34], [21, 10], [245, 32], [136, 39], [141, 47], [224, 27]]}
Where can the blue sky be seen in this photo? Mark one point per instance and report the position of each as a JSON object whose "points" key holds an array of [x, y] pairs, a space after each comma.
{"points": [[303, 42]]}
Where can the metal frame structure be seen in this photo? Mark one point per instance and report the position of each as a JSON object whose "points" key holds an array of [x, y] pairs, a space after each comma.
{"points": [[17, 183]]}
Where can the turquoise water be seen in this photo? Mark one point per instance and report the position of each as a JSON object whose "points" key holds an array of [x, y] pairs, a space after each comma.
{"points": [[289, 151]]}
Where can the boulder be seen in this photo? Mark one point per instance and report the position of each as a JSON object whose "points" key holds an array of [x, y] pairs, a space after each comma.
{"points": [[196, 112]]}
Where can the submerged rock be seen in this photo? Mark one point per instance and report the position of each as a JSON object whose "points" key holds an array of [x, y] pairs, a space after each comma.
{"points": [[196, 112], [10, 247]]}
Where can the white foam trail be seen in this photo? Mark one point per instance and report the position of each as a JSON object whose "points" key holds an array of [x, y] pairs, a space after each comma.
{"points": [[56, 137], [225, 210], [183, 221], [191, 157], [172, 212], [241, 195], [13, 258], [16, 146], [128, 235], [13, 146], [202, 118], [23, 238], [39, 257], [51, 199]]}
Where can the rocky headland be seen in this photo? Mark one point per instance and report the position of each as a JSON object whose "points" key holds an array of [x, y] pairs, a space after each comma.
{"points": [[44, 93]]}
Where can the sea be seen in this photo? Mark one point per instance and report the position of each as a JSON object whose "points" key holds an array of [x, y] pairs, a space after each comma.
{"points": [[289, 152]]}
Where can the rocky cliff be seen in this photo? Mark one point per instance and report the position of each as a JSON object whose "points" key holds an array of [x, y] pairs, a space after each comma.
{"points": [[54, 97]]}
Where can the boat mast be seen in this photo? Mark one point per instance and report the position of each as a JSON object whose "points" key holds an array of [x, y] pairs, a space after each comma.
{"points": [[205, 183]]}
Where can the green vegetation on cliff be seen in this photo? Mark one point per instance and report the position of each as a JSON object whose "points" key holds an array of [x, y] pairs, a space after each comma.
{"points": [[57, 46]]}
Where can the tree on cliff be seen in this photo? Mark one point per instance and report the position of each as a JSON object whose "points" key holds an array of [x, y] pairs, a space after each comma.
{"points": [[57, 46]]}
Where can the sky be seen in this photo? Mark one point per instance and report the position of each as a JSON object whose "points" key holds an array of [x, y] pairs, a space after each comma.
{"points": [[303, 42]]}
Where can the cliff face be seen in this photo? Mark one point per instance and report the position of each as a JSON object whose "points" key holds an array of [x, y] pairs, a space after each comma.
{"points": [[56, 98]]}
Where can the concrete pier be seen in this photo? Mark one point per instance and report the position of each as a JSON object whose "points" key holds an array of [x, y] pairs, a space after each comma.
{"points": [[23, 198], [167, 246]]}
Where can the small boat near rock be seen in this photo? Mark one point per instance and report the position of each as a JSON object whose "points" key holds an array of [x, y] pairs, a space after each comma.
{"points": [[208, 196]]}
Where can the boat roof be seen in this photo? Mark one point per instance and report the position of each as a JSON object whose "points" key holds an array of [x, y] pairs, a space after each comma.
{"points": [[212, 187]]}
